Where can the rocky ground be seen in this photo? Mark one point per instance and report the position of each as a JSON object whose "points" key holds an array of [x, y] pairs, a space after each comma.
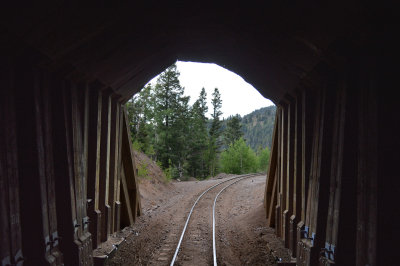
{"points": [[242, 237]]}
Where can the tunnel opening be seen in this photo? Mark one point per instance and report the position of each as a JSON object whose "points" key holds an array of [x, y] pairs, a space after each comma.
{"points": [[153, 185]]}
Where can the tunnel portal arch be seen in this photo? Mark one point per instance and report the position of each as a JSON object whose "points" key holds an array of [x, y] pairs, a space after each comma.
{"points": [[72, 66]]}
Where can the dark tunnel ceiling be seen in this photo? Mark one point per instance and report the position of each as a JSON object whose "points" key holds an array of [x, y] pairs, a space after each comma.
{"points": [[272, 46]]}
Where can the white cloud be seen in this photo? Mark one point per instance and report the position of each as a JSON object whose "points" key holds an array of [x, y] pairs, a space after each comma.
{"points": [[238, 96]]}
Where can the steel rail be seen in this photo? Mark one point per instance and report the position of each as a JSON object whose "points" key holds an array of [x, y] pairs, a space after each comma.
{"points": [[215, 201], [190, 213]]}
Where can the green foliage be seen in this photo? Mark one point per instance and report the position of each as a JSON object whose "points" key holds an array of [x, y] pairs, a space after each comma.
{"points": [[143, 171], [184, 142], [198, 140], [233, 130], [170, 115], [214, 141], [263, 159], [239, 158]]}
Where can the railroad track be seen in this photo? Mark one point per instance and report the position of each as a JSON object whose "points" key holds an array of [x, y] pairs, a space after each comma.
{"points": [[196, 231]]}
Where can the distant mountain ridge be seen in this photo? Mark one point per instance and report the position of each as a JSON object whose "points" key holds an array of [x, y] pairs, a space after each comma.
{"points": [[258, 127]]}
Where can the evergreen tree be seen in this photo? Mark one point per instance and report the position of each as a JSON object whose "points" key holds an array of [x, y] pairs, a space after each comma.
{"points": [[170, 113], [233, 130], [214, 143], [198, 137]]}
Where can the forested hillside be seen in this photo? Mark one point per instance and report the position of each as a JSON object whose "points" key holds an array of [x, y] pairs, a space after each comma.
{"points": [[258, 127]]}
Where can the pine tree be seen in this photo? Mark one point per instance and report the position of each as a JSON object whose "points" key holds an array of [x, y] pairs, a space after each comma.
{"points": [[214, 143], [233, 130], [170, 113], [198, 137]]}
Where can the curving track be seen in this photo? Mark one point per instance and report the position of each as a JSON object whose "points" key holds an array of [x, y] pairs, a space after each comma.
{"points": [[195, 245]]}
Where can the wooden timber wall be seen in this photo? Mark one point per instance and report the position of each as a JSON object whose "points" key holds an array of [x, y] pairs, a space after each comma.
{"points": [[68, 178], [321, 191]]}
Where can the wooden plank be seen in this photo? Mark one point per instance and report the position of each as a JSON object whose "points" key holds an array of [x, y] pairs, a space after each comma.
{"points": [[127, 216], [272, 203], [290, 170], [129, 166], [277, 209], [297, 179], [5, 239], [64, 182], [93, 163], [283, 176], [105, 165], [117, 222], [342, 193], [113, 171], [10, 165], [319, 186], [33, 188], [272, 167], [305, 245], [49, 168], [370, 127], [77, 114]]}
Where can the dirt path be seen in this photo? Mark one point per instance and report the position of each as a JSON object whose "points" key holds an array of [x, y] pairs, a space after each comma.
{"points": [[242, 236]]}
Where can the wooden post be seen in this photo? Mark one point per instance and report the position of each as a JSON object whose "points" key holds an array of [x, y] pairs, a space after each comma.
{"points": [[272, 169], [114, 157], [277, 210], [10, 219], [283, 176], [129, 169], [31, 157], [308, 117], [117, 217], [105, 165], [77, 110], [49, 165], [369, 155], [294, 219], [93, 167], [290, 169], [63, 167], [319, 186]]}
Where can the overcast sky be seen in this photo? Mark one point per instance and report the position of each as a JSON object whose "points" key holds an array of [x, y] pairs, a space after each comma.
{"points": [[238, 96]]}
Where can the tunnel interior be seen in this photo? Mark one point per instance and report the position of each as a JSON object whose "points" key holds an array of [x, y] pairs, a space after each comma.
{"points": [[67, 69]]}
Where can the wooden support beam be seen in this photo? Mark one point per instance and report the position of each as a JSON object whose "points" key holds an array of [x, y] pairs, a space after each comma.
{"points": [[283, 176], [64, 170], [32, 165], [272, 168], [93, 165], [272, 204], [341, 221], [105, 165], [277, 209], [10, 218], [129, 167], [319, 178], [117, 216], [114, 157], [289, 170], [78, 110], [127, 215], [45, 102], [376, 173], [308, 117], [297, 181]]}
